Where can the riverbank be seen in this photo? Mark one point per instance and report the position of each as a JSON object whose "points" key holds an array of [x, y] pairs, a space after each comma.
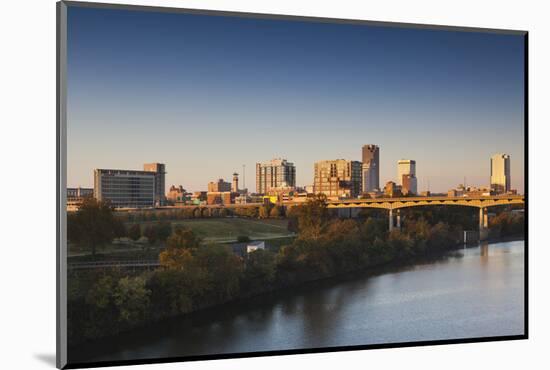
{"points": [[392, 266], [435, 298]]}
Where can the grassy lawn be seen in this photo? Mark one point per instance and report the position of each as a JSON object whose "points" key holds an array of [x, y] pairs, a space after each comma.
{"points": [[228, 229], [211, 230]]}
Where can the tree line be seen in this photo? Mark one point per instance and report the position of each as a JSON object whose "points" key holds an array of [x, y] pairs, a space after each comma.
{"points": [[268, 210]]}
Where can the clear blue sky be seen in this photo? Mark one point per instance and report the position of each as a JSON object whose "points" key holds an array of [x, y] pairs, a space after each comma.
{"points": [[205, 95]]}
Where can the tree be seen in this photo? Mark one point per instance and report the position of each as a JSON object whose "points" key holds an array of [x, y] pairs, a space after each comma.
{"points": [[183, 238], [134, 232], [131, 297], [372, 229], [259, 272], [401, 244], [312, 218], [175, 258], [243, 239], [150, 233], [177, 254], [275, 212], [224, 270], [173, 291], [94, 224], [164, 230], [264, 210]]}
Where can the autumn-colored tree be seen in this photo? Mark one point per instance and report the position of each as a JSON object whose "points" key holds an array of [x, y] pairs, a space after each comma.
{"points": [[263, 212], [183, 238], [275, 212], [175, 258], [312, 218]]}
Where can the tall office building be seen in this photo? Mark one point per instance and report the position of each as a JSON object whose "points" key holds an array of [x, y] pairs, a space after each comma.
{"points": [[406, 176], [338, 178], [500, 173], [277, 173], [371, 168], [159, 170], [125, 188]]}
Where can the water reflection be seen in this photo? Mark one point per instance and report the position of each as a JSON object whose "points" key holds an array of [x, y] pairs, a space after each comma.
{"points": [[469, 293]]}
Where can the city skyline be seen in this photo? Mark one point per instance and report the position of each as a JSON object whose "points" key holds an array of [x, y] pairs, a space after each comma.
{"points": [[450, 100]]}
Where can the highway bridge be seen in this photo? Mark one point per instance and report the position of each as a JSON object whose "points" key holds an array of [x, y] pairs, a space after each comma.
{"points": [[393, 205]]}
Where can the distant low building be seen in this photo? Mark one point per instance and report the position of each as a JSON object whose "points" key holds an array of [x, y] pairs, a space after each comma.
{"points": [[243, 199], [219, 186], [75, 197], [220, 197], [392, 190], [79, 192], [372, 194], [408, 184], [199, 195], [302, 197], [471, 191], [176, 194], [254, 246]]}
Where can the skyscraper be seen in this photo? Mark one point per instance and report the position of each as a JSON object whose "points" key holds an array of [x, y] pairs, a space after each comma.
{"points": [[371, 168], [277, 173], [338, 178], [500, 173], [406, 175]]}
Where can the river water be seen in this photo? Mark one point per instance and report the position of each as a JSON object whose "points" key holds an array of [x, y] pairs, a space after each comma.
{"points": [[473, 292]]}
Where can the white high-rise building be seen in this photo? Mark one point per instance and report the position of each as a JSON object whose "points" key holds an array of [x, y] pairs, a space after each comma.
{"points": [[406, 168], [500, 173]]}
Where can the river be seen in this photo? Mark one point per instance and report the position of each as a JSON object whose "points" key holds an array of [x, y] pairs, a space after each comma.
{"points": [[472, 292]]}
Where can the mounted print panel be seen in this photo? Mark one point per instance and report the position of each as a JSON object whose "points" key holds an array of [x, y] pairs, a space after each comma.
{"points": [[236, 184]]}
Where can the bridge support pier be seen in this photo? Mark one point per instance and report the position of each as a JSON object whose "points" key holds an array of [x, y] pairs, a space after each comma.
{"points": [[483, 224], [394, 223]]}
